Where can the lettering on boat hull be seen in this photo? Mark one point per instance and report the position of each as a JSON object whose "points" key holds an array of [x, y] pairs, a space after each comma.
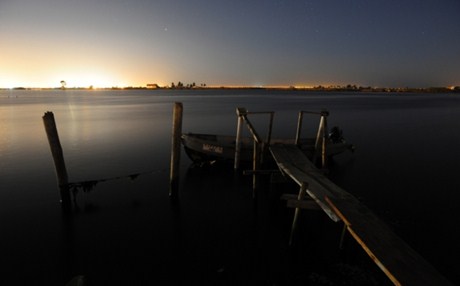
{"points": [[213, 148]]}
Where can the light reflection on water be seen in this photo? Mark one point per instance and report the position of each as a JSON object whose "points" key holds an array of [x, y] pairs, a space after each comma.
{"points": [[405, 166], [106, 133]]}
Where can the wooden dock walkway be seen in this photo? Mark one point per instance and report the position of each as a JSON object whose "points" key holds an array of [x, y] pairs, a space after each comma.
{"points": [[401, 264]]}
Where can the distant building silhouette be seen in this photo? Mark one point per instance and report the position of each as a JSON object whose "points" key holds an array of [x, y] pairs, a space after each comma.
{"points": [[153, 85]]}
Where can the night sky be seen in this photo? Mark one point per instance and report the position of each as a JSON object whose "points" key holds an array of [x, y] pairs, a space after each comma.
{"points": [[257, 43]]}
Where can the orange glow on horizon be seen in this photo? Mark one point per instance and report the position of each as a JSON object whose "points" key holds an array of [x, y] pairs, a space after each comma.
{"points": [[95, 79], [77, 78]]}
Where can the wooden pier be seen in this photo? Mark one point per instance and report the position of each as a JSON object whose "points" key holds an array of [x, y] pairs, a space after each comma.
{"points": [[401, 264]]}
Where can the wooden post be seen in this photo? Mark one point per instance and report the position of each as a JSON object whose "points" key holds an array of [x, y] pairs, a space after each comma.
{"points": [[175, 149], [270, 127], [319, 134], [299, 128], [58, 158], [324, 147], [321, 137], [302, 193], [318, 140], [266, 144], [239, 112]]}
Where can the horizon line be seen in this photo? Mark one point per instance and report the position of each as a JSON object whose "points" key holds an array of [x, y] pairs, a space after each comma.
{"points": [[300, 87]]}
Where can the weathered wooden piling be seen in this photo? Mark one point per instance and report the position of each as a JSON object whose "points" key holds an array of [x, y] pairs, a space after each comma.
{"points": [[58, 158], [256, 153], [302, 194], [321, 138], [299, 128], [175, 149], [259, 144]]}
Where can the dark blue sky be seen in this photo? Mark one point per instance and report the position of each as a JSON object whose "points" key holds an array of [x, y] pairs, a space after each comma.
{"points": [[304, 43]]}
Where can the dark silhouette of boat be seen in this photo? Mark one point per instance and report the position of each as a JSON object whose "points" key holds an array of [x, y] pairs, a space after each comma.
{"points": [[203, 148]]}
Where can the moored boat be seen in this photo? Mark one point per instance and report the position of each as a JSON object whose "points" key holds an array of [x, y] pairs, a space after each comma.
{"points": [[202, 148]]}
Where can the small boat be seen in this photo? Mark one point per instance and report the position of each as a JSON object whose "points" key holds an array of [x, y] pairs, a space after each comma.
{"points": [[206, 148]]}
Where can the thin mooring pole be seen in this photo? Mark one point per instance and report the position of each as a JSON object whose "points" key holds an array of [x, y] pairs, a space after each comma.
{"points": [[299, 128], [175, 149], [270, 127], [58, 157], [324, 147], [269, 138], [239, 112]]}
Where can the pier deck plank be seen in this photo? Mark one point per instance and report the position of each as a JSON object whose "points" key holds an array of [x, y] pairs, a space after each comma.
{"points": [[292, 162], [401, 264]]}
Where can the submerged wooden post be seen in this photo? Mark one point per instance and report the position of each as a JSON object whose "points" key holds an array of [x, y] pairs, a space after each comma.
{"points": [[175, 149], [58, 158], [302, 193]]}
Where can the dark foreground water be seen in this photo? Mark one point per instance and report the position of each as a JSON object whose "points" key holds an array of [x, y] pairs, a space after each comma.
{"points": [[127, 232]]}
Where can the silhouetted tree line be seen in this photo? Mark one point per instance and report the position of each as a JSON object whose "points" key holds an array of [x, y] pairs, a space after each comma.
{"points": [[356, 88], [180, 85]]}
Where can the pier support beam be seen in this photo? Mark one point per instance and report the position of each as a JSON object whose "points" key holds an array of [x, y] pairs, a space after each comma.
{"points": [[302, 193], [58, 158], [321, 138], [255, 167], [240, 112], [299, 128], [175, 149], [324, 141]]}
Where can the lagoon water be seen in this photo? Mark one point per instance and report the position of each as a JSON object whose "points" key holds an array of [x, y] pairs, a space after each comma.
{"points": [[126, 232]]}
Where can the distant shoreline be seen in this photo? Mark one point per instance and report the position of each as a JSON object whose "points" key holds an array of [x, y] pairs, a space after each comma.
{"points": [[455, 89]]}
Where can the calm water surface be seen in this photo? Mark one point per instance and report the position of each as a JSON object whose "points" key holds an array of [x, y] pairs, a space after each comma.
{"points": [[405, 168]]}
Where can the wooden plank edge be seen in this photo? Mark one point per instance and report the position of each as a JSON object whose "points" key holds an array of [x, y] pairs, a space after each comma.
{"points": [[330, 213], [385, 270], [363, 245]]}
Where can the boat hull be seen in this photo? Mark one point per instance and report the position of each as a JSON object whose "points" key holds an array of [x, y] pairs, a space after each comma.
{"points": [[202, 148]]}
